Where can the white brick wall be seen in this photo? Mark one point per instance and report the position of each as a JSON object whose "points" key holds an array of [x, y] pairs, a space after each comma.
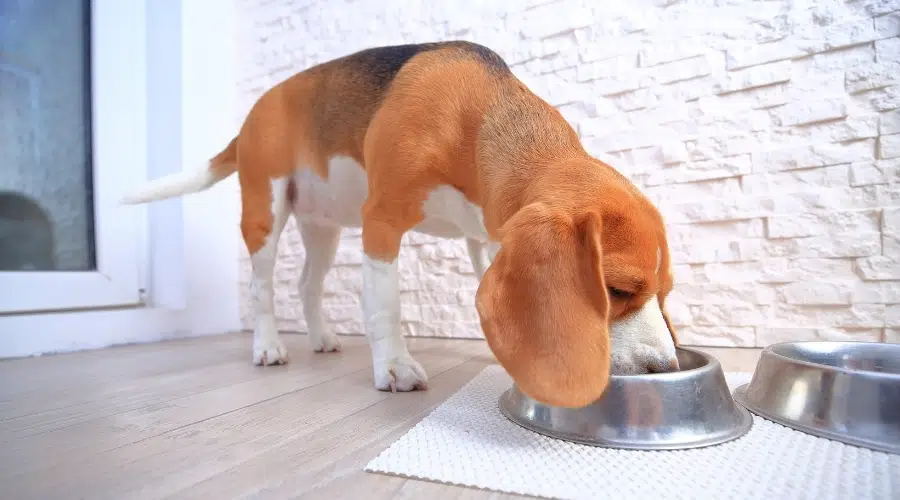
{"points": [[767, 132]]}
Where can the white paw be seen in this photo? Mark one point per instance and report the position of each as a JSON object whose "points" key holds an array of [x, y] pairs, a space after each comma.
{"points": [[325, 342], [269, 352], [400, 374]]}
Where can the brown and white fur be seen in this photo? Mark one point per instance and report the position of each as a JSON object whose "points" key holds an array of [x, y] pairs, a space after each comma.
{"points": [[443, 139]]}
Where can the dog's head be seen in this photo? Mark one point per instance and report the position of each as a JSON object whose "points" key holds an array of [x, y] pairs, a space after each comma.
{"points": [[575, 293]]}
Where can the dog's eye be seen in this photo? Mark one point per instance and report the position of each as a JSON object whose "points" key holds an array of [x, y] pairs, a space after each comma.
{"points": [[619, 293]]}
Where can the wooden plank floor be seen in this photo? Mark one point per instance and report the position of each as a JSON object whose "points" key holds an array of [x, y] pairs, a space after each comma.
{"points": [[194, 419]]}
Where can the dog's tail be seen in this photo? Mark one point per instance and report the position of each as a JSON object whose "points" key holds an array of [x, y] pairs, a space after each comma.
{"points": [[191, 181]]}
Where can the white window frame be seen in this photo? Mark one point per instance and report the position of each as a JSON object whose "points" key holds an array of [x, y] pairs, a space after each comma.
{"points": [[190, 247]]}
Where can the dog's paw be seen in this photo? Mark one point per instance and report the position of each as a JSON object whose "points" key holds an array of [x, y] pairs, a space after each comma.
{"points": [[325, 342], [269, 352], [400, 374]]}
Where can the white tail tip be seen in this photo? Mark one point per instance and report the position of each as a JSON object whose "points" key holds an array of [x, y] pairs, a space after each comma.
{"points": [[171, 186]]}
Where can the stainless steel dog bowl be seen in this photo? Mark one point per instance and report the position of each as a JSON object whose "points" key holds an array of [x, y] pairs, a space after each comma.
{"points": [[844, 391], [691, 408]]}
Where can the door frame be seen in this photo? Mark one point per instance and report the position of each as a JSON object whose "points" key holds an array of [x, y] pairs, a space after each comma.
{"points": [[190, 247]]}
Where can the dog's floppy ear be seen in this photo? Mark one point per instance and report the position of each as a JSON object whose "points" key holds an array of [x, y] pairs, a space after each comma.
{"points": [[666, 270], [544, 307], [672, 331]]}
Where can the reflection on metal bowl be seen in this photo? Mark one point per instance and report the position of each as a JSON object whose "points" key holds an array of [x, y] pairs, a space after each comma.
{"points": [[844, 391]]}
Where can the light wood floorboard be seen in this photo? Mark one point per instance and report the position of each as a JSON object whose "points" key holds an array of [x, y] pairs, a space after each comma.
{"points": [[194, 419]]}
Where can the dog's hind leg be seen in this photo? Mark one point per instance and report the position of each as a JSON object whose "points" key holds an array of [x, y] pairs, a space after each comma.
{"points": [[267, 346], [265, 163], [321, 244]]}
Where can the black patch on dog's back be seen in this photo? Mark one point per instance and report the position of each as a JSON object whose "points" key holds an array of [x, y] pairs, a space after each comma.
{"points": [[381, 64], [490, 58]]}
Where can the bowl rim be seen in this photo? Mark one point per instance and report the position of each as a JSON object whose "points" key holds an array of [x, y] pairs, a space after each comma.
{"points": [[769, 350]]}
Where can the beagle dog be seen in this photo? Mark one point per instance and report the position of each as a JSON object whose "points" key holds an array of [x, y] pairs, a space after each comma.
{"points": [[443, 139]]}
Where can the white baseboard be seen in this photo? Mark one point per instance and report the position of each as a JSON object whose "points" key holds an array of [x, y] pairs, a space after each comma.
{"points": [[36, 334]]}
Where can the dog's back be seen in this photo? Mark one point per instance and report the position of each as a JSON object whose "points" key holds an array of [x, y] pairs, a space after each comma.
{"points": [[332, 104]]}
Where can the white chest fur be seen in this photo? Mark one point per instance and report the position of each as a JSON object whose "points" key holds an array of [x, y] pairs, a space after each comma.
{"points": [[338, 202]]}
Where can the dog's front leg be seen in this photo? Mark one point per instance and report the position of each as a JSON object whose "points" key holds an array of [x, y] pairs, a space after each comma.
{"points": [[394, 368]]}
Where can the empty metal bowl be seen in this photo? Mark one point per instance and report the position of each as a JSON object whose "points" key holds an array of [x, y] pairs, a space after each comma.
{"points": [[844, 391], [691, 408]]}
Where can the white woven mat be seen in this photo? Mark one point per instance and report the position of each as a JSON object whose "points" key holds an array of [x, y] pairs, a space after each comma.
{"points": [[467, 441]]}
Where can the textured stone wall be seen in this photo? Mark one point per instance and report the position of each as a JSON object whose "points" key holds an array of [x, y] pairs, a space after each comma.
{"points": [[768, 132]]}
